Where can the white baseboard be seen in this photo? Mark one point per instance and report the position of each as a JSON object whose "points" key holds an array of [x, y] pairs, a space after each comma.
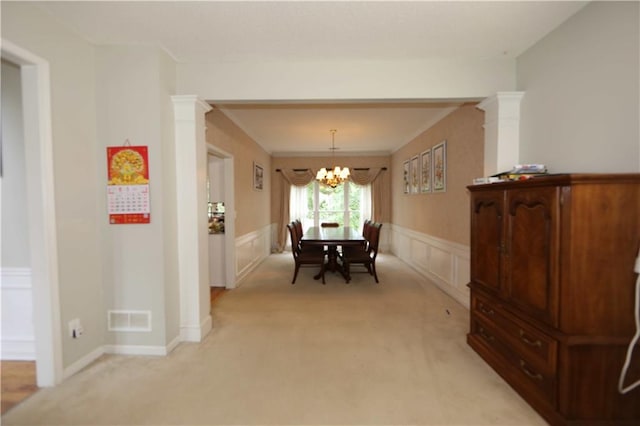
{"points": [[135, 350], [172, 345], [83, 362], [119, 350], [191, 333], [142, 349]]}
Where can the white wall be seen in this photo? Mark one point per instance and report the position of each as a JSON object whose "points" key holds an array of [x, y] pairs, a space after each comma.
{"points": [[417, 79], [580, 111], [71, 62], [167, 88], [134, 89]]}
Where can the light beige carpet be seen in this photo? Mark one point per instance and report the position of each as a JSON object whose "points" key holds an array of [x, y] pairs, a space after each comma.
{"points": [[392, 353]]}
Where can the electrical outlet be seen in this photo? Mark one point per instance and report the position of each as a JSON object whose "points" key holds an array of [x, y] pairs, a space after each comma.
{"points": [[75, 328]]}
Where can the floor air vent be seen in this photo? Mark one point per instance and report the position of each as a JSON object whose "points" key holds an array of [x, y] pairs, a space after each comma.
{"points": [[129, 320]]}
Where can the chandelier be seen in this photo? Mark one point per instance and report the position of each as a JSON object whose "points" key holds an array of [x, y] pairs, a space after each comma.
{"points": [[333, 177]]}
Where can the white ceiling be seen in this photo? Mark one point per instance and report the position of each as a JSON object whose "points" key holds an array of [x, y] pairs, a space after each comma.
{"points": [[361, 128], [237, 31]]}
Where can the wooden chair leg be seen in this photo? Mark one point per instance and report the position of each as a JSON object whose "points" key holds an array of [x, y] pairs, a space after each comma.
{"points": [[375, 274], [295, 274]]}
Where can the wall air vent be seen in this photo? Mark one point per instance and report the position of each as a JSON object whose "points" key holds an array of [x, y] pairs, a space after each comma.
{"points": [[121, 320]]}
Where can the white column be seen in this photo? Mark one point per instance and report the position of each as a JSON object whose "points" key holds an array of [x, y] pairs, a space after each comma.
{"points": [[501, 131], [191, 178]]}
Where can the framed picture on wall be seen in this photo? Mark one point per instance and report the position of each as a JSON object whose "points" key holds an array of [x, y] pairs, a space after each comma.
{"points": [[258, 177], [425, 171], [405, 177], [440, 167], [415, 175]]}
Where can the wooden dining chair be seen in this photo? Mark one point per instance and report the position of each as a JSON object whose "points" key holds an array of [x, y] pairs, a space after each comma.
{"points": [[366, 231], [305, 256], [299, 229], [363, 255]]}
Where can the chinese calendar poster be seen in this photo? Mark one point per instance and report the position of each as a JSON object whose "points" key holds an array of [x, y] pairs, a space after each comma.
{"points": [[128, 185]]}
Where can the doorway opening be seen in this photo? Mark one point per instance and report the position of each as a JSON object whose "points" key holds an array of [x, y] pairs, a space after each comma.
{"points": [[43, 255], [222, 245]]}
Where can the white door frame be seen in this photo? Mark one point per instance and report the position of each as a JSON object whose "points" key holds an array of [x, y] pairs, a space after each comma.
{"points": [[36, 100], [230, 215]]}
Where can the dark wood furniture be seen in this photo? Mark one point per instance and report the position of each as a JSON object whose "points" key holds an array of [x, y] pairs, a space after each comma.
{"points": [[332, 237], [552, 291], [298, 224], [364, 255], [305, 255], [330, 224]]}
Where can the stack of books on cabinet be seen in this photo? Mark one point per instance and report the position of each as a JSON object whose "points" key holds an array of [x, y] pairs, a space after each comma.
{"points": [[518, 172], [523, 172]]}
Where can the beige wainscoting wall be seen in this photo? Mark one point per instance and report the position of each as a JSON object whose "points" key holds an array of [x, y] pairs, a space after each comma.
{"points": [[443, 215], [252, 241], [226, 135], [430, 231]]}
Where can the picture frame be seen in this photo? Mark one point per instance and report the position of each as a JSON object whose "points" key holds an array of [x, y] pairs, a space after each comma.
{"points": [[405, 177], [258, 177], [440, 167], [414, 175], [425, 171]]}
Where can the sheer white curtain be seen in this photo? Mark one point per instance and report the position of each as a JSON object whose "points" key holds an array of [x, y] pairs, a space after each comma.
{"points": [[298, 205], [365, 202]]}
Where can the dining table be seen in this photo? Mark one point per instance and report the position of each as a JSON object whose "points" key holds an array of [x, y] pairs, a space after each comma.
{"points": [[332, 238]]}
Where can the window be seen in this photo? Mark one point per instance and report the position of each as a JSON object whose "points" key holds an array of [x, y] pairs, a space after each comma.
{"points": [[347, 204]]}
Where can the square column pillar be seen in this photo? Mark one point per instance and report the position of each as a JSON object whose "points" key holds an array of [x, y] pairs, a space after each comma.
{"points": [[501, 131], [193, 231]]}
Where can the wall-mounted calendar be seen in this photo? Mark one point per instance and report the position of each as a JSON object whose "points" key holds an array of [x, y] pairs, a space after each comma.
{"points": [[128, 185]]}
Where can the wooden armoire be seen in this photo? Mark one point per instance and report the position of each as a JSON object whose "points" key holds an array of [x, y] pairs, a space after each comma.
{"points": [[553, 291]]}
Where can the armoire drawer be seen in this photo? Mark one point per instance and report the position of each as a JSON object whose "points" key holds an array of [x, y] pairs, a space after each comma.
{"points": [[537, 347], [519, 371]]}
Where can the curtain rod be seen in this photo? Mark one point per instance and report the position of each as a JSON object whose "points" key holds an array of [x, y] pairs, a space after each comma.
{"points": [[354, 168]]}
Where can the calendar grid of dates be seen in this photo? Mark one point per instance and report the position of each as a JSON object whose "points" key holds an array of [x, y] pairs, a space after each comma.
{"points": [[128, 199]]}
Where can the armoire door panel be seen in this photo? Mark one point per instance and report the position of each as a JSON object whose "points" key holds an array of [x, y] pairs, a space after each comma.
{"points": [[531, 252], [487, 218]]}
